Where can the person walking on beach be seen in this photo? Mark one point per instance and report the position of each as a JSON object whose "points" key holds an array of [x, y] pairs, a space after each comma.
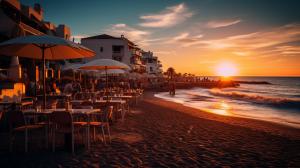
{"points": [[171, 72], [172, 88]]}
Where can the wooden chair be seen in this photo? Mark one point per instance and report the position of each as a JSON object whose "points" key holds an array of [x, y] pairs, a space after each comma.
{"points": [[18, 123], [62, 122], [103, 122], [1, 114]]}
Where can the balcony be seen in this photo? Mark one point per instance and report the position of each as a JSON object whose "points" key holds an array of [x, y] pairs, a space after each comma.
{"points": [[29, 29], [136, 53]]}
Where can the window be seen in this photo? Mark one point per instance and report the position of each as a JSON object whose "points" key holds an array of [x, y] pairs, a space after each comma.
{"points": [[117, 49], [151, 69], [101, 49]]}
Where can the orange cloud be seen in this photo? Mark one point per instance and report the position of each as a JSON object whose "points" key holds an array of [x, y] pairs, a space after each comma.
{"points": [[169, 17], [222, 23]]}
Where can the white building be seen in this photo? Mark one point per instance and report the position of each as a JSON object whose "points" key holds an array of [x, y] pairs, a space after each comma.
{"points": [[153, 65], [117, 48]]}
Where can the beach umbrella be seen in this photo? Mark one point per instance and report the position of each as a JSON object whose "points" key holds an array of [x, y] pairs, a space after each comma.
{"points": [[44, 47], [73, 67], [113, 72], [76, 68], [104, 64]]}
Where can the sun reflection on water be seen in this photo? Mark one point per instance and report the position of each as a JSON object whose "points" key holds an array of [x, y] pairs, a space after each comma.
{"points": [[222, 108]]}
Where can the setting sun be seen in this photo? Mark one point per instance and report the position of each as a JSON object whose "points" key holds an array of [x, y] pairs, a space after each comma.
{"points": [[226, 69]]}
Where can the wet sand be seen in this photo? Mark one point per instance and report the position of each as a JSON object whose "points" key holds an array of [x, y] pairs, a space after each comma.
{"points": [[158, 133]]}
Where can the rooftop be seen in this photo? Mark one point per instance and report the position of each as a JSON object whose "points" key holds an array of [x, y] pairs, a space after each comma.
{"points": [[106, 36], [102, 36]]}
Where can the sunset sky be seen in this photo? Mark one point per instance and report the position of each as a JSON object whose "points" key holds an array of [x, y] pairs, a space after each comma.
{"points": [[256, 37]]}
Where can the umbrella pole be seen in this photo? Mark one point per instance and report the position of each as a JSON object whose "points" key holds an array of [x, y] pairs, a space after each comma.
{"points": [[85, 80], [35, 82], [44, 81], [106, 78]]}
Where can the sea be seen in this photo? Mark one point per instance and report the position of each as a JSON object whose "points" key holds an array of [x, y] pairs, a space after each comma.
{"points": [[277, 102]]}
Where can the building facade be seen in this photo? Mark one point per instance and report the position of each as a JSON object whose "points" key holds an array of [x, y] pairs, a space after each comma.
{"points": [[17, 20], [153, 65], [117, 48]]}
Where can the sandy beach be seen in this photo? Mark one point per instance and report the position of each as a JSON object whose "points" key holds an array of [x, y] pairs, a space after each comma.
{"points": [[158, 133]]}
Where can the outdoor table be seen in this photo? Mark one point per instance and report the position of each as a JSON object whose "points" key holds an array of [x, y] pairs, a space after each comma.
{"points": [[86, 112], [127, 98], [57, 96], [6, 105], [80, 101], [121, 97], [17, 103], [115, 103], [135, 95]]}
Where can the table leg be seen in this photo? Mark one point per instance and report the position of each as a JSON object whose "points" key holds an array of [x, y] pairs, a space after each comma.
{"points": [[88, 132], [68, 141]]}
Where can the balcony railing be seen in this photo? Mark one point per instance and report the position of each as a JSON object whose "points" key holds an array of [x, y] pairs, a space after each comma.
{"points": [[29, 29]]}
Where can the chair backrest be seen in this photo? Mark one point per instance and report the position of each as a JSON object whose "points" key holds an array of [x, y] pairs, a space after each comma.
{"points": [[87, 103], [1, 114], [16, 118], [62, 118], [107, 114]]}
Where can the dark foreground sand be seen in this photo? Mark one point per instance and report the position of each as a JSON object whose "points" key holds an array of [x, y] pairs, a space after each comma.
{"points": [[162, 134]]}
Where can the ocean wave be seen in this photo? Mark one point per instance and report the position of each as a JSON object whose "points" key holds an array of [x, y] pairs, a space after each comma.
{"points": [[259, 99]]}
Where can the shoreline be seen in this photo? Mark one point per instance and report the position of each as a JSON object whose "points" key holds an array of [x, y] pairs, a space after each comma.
{"points": [[255, 124], [284, 123]]}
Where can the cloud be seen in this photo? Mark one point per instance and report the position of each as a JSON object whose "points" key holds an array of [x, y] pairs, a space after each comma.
{"points": [[265, 43], [181, 36], [120, 25], [78, 37], [185, 39], [222, 23], [289, 49], [240, 53], [131, 33], [171, 16]]}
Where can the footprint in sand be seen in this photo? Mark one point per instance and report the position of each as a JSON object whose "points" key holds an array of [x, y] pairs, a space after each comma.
{"points": [[190, 129], [135, 111], [129, 137]]}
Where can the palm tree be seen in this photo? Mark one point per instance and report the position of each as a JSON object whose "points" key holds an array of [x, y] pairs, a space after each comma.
{"points": [[171, 73]]}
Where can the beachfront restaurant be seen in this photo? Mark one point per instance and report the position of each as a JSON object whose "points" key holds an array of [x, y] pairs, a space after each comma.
{"points": [[52, 107]]}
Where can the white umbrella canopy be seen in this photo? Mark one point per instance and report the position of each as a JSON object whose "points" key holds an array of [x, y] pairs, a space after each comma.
{"points": [[73, 67], [104, 64], [46, 48], [113, 72]]}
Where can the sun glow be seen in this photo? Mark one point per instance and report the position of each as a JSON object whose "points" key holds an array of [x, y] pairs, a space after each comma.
{"points": [[226, 69], [221, 108]]}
